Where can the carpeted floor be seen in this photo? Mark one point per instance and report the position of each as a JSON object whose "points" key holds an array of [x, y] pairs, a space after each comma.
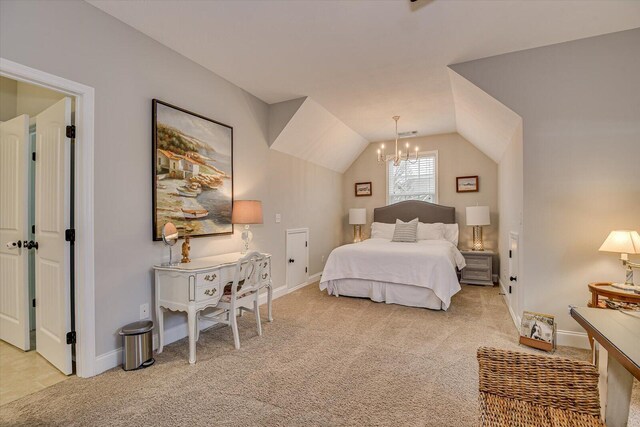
{"points": [[324, 361]]}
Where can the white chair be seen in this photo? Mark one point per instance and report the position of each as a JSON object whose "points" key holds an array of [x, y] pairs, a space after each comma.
{"points": [[245, 290]]}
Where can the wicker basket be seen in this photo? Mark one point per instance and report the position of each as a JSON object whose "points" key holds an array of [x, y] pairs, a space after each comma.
{"points": [[520, 389]]}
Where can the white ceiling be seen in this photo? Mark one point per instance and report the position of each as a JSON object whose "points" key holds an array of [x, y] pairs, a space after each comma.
{"points": [[364, 61]]}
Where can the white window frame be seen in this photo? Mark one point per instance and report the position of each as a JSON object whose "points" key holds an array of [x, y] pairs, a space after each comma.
{"points": [[420, 153]]}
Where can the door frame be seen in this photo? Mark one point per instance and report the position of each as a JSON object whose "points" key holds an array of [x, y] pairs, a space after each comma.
{"points": [[286, 251], [83, 200]]}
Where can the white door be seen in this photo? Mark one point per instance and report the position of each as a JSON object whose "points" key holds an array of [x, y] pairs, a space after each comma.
{"points": [[14, 228], [514, 260], [297, 257], [53, 317]]}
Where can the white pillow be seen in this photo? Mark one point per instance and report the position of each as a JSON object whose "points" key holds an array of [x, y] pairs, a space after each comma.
{"points": [[451, 232], [430, 231], [380, 230]]}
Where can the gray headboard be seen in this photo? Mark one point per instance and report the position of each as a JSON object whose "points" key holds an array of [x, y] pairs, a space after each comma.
{"points": [[410, 209]]}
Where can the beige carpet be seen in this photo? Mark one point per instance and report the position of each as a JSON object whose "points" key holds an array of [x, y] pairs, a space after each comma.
{"points": [[324, 361]]}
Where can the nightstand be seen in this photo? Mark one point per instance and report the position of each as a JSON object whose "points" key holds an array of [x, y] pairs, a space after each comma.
{"points": [[479, 269]]}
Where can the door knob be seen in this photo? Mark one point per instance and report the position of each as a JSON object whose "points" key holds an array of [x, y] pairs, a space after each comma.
{"points": [[513, 278], [30, 244], [14, 245], [291, 260]]}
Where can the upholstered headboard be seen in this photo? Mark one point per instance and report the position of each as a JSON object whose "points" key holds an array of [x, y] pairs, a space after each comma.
{"points": [[410, 209]]}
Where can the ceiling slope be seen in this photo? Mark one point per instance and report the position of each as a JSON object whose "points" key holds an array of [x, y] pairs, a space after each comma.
{"points": [[314, 134], [481, 119]]}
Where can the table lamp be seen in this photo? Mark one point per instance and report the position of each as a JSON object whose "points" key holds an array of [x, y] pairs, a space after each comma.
{"points": [[624, 242], [477, 216], [247, 212], [357, 217]]}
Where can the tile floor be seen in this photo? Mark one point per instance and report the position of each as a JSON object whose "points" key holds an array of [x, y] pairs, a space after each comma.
{"points": [[23, 373]]}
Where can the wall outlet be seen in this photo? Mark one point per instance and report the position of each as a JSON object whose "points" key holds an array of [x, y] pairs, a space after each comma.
{"points": [[322, 258], [278, 218], [144, 311]]}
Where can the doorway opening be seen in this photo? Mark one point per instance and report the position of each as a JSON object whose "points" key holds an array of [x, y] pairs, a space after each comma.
{"points": [[36, 253]]}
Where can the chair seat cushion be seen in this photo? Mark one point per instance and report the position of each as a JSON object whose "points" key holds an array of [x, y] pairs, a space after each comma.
{"points": [[496, 411], [227, 297]]}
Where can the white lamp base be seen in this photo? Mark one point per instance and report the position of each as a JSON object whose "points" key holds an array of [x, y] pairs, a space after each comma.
{"points": [[625, 286], [247, 237]]}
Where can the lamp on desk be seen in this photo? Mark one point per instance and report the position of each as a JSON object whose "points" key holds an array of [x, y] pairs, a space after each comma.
{"points": [[624, 242], [477, 216], [357, 217], [247, 212]]}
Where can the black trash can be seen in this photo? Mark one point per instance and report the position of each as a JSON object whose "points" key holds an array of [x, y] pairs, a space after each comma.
{"points": [[137, 343]]}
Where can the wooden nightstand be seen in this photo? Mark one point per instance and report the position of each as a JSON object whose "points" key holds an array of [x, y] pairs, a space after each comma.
{"points": [[479, 269]]}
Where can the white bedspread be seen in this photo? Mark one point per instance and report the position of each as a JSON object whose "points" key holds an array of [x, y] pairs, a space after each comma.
{"points": [[426, 263]]}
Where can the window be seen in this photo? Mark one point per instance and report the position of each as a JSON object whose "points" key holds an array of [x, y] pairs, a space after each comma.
{"points": [[413, 181]]}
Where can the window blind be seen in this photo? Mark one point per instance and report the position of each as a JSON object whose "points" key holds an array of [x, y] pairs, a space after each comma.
{"points": [[413, 181]]}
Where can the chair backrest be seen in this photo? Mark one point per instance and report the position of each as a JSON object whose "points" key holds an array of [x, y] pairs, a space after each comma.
{"points": [[248, 273], [556, 382]]}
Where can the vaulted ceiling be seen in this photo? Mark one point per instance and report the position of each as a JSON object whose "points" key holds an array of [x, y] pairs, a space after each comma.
{"points": [[364, 61]]}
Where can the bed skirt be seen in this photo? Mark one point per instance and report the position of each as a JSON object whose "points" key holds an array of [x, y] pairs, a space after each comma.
{"points": [[391, 293]]}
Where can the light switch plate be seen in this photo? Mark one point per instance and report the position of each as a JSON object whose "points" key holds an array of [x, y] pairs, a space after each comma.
{"points": [[278, 218]]}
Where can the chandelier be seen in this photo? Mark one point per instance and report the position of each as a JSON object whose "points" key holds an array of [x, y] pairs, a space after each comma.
{"points": [[398, 156]]}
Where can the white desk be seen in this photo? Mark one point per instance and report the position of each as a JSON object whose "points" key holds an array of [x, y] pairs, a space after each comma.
{"points": [[617, 350], [193, 287]]}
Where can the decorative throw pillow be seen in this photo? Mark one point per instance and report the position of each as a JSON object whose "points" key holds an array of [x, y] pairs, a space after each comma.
{"points": [[406, 231]]}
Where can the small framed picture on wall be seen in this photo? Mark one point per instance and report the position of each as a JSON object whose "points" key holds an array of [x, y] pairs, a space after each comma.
{"points": [[467, 184], [363, 189]]}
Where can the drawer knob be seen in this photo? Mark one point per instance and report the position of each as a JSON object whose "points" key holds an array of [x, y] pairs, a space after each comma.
{"points": [[210, 292], [210, 277], [513, 278]]}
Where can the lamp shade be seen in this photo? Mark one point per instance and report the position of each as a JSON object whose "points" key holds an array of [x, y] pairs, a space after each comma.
{"points": [[622, 241], [247, 212], [478, 215], [357, 216]]}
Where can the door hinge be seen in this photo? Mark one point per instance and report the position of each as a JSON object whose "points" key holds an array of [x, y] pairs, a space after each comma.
{"points": [[509, 288], [33, 156], [305, 270], [510, 254], [33, 303], [33, 229], [305, 244], [71, 131], [70, 235], [71, 337]]}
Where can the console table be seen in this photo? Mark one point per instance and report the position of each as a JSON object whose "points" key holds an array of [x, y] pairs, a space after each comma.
{"points": [[193, 287]]}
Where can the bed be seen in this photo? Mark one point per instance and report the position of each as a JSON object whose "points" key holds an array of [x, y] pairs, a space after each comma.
{"points": [[420, 274]]}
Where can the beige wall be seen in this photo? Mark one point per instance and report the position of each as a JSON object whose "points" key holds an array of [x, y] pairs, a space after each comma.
{"points": [[128, 69], [456, 157], [580, 107], [8, 93]]}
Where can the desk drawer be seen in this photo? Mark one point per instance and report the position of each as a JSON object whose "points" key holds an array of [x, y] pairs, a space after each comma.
{"points": [[209, 278], [210, 293]]}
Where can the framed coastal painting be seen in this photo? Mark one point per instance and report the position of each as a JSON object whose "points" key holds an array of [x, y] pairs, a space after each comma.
{"points": [[467, 184], [192, 172]]}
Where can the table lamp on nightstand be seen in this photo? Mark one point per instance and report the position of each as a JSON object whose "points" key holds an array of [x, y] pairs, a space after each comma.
{"points": [[477, 216], [357, 217], [624, 242]]}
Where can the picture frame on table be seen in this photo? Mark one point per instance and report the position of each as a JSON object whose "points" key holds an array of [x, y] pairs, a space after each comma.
{"points": [[538, 330]]}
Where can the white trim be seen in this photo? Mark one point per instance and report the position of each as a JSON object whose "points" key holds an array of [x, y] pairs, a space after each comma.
{"points": [[516, 319], [420, 153], [84, 245], [286, 251], [573, 339]]}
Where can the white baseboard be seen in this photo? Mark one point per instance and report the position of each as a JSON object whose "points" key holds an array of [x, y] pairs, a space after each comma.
{"points": [[315, 277], [573, 339], [565, 338], [516, 319], [113, 358]]}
